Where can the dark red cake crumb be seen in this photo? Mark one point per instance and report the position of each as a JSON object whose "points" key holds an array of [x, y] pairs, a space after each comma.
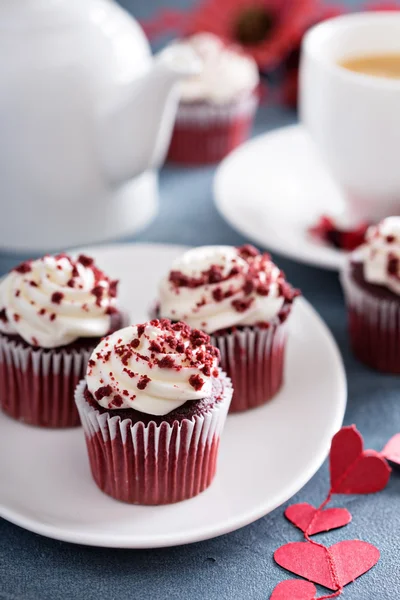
{"points": [[155, 347], [117, 401], [57, 297], [24, 267], [196, 382], [33, 283], [167, 362], [135, 343], [247, 251], [98, 292], [218, 294], [3, 315], [17, 293], [242, 305], [143, 381], [91, 363], [103, 392], [17, 317], [53, 316], [113, 288], [86, 261]]}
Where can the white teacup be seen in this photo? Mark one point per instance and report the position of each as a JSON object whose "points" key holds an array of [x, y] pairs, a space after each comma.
{"points": [[353, 118]]}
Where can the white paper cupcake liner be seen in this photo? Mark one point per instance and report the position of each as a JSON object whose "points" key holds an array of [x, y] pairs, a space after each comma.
{"points": [[37, 386], [253, 358], [205, 132], [374, 326], [153, 464]]}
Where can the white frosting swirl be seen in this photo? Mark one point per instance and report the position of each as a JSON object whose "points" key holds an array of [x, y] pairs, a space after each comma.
{"points": [[225, 71], [217, 287], [55, 300], [380, 254], [153, 368]]}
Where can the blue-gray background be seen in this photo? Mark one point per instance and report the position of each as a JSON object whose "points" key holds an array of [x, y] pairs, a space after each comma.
{"points": [[238, 565]]}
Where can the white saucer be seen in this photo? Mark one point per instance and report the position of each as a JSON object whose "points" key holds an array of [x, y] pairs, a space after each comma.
{"points": [[273, 188], [267, 454]]}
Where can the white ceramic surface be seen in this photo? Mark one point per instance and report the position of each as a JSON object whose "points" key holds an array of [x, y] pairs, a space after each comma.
{"points": [[84, 110], [354, 118], [273, 188], [266, 456]]}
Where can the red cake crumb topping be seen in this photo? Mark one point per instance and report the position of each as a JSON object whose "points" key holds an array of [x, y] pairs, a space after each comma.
{"points": [[167, 362], [143, 381], [103, 392], [3, 315], [57, 297], [33, 283], [242, 305], [258, 274], [196, 382], [86, 261], [24, 267], [17, 293], [53, 317], [172, 346], [17, 317]]}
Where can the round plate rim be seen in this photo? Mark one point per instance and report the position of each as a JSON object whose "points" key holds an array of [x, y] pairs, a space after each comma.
{"points": [[108, 541], [331, 259]]}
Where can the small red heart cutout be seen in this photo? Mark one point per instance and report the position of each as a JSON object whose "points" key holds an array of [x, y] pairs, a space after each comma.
{"points": [[352, 558], [312, 520], [354, 470], [392, 449], [294, 589]]}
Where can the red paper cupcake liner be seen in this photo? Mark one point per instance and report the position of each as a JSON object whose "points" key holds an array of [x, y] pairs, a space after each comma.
{"points": [[153, 464], [374, 327], [254, 360], [206, 133], [37, 386]]}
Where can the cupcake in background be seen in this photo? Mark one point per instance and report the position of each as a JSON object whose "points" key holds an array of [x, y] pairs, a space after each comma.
{"points": [[217, 107], [240, 298], [53, 312], [371, 284], [153, 407]]}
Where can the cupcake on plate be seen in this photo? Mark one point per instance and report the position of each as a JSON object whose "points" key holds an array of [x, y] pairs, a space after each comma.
{"points": [[53, 312], [240, 298], [217, 106], [153, 406], [371, 283]]}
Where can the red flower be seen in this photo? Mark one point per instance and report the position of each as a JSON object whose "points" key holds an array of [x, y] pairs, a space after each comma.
{"points": [[265, 29]]}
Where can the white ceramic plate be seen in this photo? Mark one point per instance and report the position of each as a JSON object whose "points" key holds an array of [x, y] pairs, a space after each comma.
{"points": [[266, 456], [275, 187]]}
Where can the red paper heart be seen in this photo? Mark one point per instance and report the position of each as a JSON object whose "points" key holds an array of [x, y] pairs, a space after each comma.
{"points": [[354, 470], [352, 558], [302, 515], [392, 449], [294, 589]]}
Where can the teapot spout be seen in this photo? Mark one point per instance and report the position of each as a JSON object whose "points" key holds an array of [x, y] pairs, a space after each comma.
{"points": [[134, 127]]}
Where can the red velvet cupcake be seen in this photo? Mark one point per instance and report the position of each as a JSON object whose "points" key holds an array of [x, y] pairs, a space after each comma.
{"points": [[217, 107], [241, 299], [153, 407], [53, 312], [371, 283]]}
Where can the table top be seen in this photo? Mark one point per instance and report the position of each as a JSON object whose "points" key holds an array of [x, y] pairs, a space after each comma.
{"points": [[240, 564]]}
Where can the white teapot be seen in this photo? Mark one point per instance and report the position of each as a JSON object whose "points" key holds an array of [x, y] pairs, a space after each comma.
{"points": [[85, 118]]}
